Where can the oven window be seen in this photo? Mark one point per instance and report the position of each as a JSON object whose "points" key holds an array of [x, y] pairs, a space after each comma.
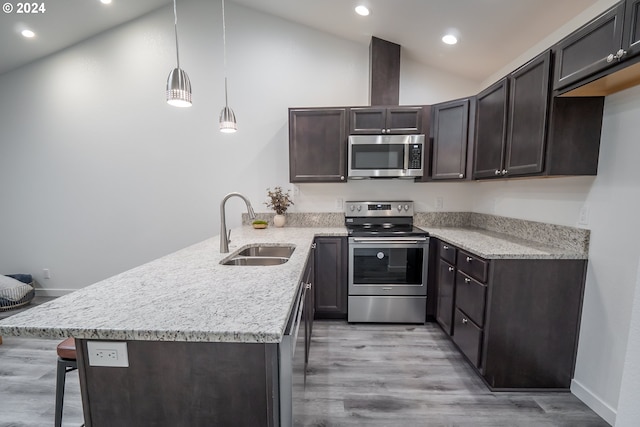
{"points": [[387, 266], [377, 156]]}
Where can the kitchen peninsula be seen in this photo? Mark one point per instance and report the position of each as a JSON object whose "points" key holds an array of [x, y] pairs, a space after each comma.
{"points": [[202, 336]]}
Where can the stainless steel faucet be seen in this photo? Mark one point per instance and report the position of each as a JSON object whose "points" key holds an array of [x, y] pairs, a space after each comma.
{"points": [[224, 237]]}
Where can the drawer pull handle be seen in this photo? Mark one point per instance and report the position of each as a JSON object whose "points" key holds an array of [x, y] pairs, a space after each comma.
{"points": [[469, 259], [387, 289], [451, 268], [464, 321], [445, 247], [467, 280]]}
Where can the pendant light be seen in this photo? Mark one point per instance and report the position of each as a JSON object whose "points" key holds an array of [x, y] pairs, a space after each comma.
{"points": [[178, 84], [227, 117]]}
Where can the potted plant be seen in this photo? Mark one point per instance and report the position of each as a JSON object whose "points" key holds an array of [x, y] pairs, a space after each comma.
{"points": [[279, 201]]}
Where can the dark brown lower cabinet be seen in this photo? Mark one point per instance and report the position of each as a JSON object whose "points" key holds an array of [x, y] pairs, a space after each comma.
{"points": [[183, 384], [446, 291], [517, 320], [331, 287]]}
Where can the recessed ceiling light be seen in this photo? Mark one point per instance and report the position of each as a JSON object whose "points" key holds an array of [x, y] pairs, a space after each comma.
{"points": [[450, 39], [28, 34], [105, 1], [362, 10]]}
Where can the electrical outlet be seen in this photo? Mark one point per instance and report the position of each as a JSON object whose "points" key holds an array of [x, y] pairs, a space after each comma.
{"points": [[108, 353], [46, 273], [339, 203], [439, 203], [584, 216]]}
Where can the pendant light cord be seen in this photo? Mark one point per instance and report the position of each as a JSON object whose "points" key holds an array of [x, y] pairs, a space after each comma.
{"points": [[224, 54], [175, 26]]}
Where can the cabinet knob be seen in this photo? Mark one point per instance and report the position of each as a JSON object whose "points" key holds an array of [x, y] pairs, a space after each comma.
{"points": [[610, 58], [497, 172], [451, 269], [469, 259], [445, 247], [313, 245], [461, 175], [465, 321], [504, 172], [342, 178], [308, 285], [620, 54], [467, 280]]}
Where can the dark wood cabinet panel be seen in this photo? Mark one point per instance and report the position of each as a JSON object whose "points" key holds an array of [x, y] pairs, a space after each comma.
{"points": [[468, 337], [491, 130], [318, 145], [471, 297], [331, 285], [447, 252], [585, 51], [446, 294], [386, 120], [309, 305], [631, 35], [528, 112], [450, 139], [473, 266]]}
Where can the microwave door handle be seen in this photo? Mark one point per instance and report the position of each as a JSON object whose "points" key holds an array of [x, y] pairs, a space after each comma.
{"points": [[407, 149]]}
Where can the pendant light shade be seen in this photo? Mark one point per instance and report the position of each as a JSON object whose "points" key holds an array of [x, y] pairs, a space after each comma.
{"points": [[178, 84], [227, 120], [178, 88]]}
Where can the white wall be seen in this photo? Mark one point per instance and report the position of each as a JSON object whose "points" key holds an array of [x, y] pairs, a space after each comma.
{"points": [[98, 174]]}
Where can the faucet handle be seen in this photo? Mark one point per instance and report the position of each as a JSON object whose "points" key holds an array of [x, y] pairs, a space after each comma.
{"points": [[229, 236]]}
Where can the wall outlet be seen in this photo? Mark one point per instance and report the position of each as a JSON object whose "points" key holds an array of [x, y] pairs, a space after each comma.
{"points": [[439, 203], [108, 353], [584, 216], [46, 273], [339, 203]]}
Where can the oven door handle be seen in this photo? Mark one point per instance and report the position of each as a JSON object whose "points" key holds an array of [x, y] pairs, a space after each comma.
{"points": [[389, 240]]}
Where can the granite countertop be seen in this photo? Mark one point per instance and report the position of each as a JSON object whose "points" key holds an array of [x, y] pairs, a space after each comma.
{"points": [[493, 245], [184, 296]]}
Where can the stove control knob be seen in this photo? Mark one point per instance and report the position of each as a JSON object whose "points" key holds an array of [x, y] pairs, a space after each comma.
{"points": [[359, 208], [352, 208], [406, 207], [399, 208]]}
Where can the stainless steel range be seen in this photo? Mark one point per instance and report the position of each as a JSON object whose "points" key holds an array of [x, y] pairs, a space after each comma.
{"points": [[388, 261]]}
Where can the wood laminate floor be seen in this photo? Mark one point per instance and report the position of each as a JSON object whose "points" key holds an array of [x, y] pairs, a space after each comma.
{"points": [[359, 375]]}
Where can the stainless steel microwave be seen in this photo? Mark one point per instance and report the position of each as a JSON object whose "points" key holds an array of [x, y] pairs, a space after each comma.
{"points": [[386, 156]]}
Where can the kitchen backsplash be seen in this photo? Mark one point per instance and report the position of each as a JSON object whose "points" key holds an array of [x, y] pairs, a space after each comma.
{"points": [[571, 238]]}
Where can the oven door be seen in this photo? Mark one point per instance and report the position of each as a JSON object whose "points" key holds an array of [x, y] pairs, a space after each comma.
{"points": [[388, 266]]}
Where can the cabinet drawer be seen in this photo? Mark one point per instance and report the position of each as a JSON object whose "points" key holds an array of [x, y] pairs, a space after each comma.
{"points": [[473, 266], [468, 337], [471, 297], [447, 252]]}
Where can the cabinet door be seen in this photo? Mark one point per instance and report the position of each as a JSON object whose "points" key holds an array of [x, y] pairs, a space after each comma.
{"points": [[491, 131], [365, 120], [468, 337], [631, 36], [404, 120], [331, 277], [585, 51], [450, 133], [317, 145], [528, 112], [446, 294]]}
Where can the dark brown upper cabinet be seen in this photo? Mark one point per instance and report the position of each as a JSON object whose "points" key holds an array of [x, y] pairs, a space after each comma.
{"points": [[491, 130], [599, 48], [528, 110], [522, 131], [386, 120], [318, 144], [450, 131]]}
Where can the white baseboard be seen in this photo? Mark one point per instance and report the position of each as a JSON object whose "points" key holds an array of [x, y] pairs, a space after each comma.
{"points": [[53, 292], [594, 402]]}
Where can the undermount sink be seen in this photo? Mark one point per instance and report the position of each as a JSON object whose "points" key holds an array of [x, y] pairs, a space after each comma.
{"points": [[256, 261], [267, 251], [261, 255]]}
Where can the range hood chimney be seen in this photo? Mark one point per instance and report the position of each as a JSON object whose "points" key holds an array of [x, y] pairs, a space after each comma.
{"points": [[384, 72]]}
